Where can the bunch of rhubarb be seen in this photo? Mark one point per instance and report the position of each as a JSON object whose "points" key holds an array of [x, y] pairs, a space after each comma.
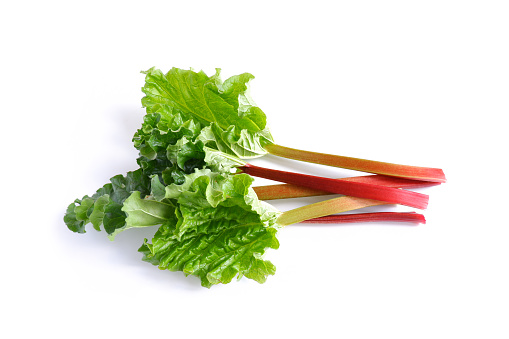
{"points": [[194, 184]]}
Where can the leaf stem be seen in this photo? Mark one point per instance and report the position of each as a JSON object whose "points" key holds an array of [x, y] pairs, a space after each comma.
{"points": [[370, 166], [325, 208], [354, 189], [369, 217], [287, 191]]}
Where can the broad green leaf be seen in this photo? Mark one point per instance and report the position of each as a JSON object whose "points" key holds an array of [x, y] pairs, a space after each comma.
{"points": [[174, 191], [221, 230], [217, 256], [197, 95], [205, 220], [232, 122], [242, 143]]}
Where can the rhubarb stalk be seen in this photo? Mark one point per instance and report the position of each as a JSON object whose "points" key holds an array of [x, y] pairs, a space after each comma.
{"points": [[369, 217], [324, 212], [324, 208], [288, 191], [370, 166], [354, 189]]}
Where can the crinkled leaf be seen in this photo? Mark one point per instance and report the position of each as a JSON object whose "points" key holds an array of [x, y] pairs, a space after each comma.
{"points": [[187, 155], [237, 126], [195, 94], [105, 206], [157, 188], [71, 221], [114, 218], [97, 215], [242, 143], [215, 257], [173, 175], [209, 219], [174, 191], [146, 212], [221, 162], [158, 132], [222, 230], [140, 212], [156, 165]]}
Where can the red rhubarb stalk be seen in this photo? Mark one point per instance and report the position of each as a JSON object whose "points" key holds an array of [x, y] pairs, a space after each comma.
{"points": [[369, 217], [354, 189], [370, 166], [287, 191]]}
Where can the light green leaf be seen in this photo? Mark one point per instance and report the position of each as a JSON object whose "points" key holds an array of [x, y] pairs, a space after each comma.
{"points": [[236, 125], [215, 257], [221, 162], [97, 215], [157, 188], [145, 212], [197, 95], [221, 231], [241, 143]]}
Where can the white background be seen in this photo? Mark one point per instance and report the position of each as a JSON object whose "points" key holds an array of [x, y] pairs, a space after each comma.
{"points": [[414, 82]]}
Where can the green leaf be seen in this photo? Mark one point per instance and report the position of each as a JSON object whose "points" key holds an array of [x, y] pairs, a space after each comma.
{"points": [[221, 162], [215, 257], [84, 210], [159, 131], [221, 230], [145, 212], [114, 218], [187, 155], [104, 208], [142, 213], [195, 94], [157, 188], [173, 175], [97, 215], [71, 221], [237, 126]]}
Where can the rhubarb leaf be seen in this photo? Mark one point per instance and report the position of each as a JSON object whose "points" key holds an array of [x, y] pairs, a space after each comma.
{"points": [[144, 213], [239, 142], [221, 231], [217, 256], [104, 208], [157, 133], [232, 122]]}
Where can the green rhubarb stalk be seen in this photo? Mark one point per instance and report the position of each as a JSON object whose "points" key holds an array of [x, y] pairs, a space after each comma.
{"points": [[323, 212], [323, 208], [227, 119], [370, 166]]}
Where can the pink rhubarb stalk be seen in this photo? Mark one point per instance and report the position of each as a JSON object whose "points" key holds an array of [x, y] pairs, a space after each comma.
{"points": [[370, 166], [287, 191], [411, 217], [354, 189]]}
